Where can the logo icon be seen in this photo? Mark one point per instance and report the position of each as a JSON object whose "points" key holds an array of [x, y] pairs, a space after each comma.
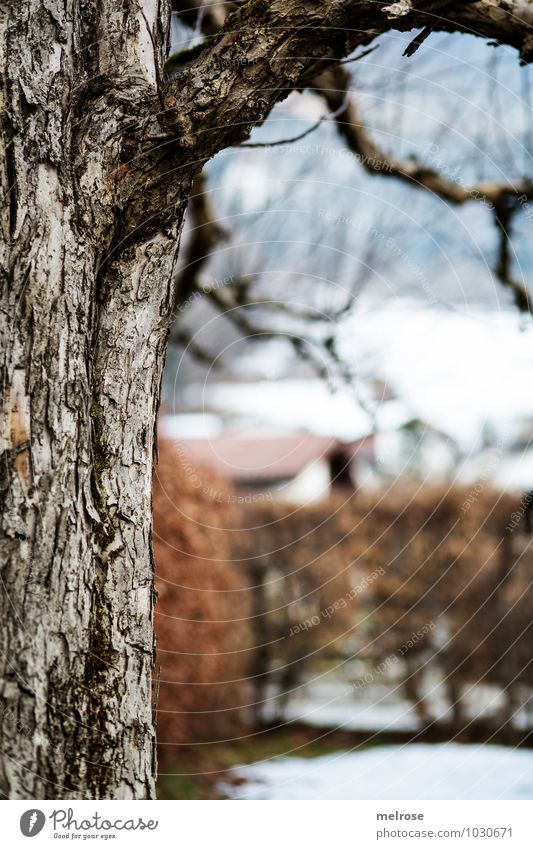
{"points": [[32, 822]]}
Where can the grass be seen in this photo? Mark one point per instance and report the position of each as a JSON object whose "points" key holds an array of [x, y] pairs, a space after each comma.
{"points": [[198, 769]]}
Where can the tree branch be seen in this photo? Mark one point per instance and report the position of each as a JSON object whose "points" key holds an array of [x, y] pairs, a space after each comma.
{"points": [[205, 235], [502, 198], [267, 49], [332, 86], [504, 212]]}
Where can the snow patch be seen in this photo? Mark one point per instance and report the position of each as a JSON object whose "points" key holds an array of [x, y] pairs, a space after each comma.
{"points": [[413, 771]]}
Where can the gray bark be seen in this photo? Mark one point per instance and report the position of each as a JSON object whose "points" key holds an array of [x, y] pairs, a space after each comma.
{"points": [[86, 309], [93, 209]]}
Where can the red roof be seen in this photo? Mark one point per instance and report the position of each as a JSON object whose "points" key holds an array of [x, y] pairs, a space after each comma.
{"points": [[256, 458]]}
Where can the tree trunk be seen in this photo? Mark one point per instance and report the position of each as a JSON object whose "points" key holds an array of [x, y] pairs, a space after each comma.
{"points": [[86, 310]]}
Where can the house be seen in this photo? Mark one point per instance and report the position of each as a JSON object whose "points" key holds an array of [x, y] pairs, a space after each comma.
{"points": [[298, 440], [272, 462]]}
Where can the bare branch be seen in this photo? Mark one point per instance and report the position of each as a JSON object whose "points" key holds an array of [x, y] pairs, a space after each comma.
{"points": [[208, 18], [279, 142], [185, 341], [332, 86], [241, 76], [503, 198], [419, 39], [304, 347], [205, 234], [503, 216]]}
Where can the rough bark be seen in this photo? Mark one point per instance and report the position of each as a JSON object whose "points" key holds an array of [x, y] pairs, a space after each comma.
{"points": [[86, 305], [95, 193]]}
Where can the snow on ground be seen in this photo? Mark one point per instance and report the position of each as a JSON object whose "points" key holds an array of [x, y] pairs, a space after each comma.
{"points": [[412, 771], [392, 715], [327, 701]]}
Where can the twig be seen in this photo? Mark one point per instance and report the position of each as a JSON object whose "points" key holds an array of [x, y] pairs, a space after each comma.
{"points": [[330, 116]]}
